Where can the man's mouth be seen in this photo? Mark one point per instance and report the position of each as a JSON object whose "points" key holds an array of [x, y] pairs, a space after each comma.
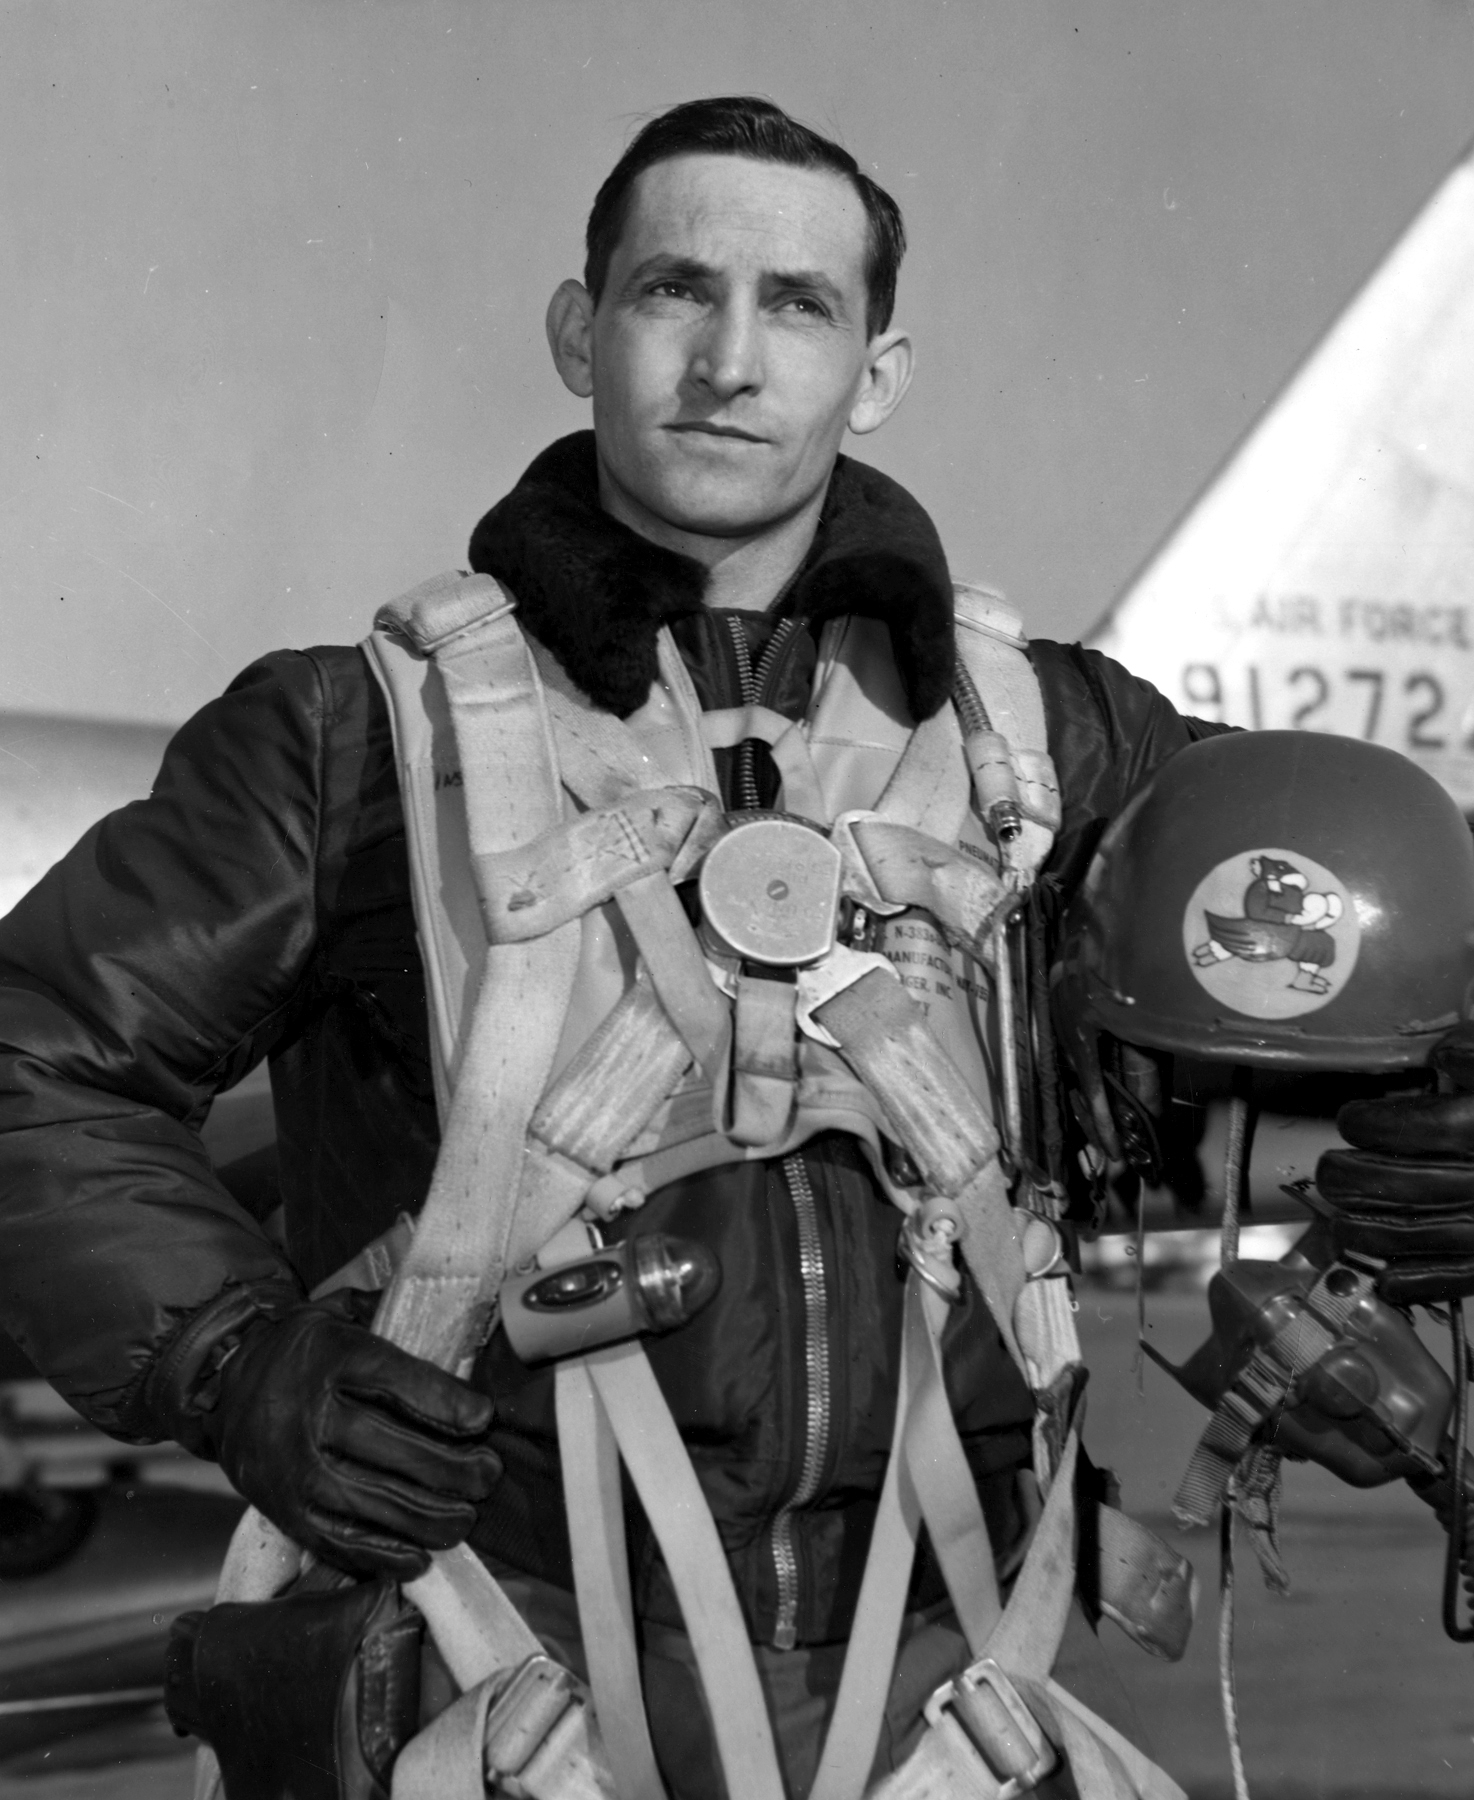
{"points": [[706, 428]]}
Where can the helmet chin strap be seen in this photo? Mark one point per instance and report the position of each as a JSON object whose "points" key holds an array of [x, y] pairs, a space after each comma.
{"points": [[1237, 1150]]}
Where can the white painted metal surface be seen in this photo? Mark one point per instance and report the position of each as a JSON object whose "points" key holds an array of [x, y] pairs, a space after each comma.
{"points": [[1326, 577]]}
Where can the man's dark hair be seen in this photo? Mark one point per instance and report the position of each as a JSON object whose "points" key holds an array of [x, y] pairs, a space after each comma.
{"points": [[741, 125]]}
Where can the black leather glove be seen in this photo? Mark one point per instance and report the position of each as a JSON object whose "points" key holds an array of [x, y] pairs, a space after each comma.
{"points": [[1405, 1191], [1435, 1126], [365, 1455]]}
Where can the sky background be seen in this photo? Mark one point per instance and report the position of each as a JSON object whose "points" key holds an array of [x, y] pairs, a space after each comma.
{"points": [[272, 277]]}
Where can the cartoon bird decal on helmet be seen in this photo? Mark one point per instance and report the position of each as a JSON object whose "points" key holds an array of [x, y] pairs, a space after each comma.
{"points": [[1282, 921]]}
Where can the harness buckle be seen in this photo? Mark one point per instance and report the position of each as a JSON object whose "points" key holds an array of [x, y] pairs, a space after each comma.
{"points": [[537, 1697], [928, 1242], [999, 1725], [822, 980], [1043, 1246]]}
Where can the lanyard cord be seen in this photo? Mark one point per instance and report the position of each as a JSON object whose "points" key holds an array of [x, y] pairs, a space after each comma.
{"points": [[1227, 1694]]}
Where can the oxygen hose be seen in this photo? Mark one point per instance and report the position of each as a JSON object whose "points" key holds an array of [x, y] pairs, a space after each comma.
{"points": [[972, 714], [1002, 809]]}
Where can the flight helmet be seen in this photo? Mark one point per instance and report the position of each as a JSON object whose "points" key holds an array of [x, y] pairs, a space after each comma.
{"points": [[1282, 899]]}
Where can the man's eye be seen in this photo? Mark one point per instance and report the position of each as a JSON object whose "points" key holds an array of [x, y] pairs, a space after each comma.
{"points": [[671, 290], [805, 304]]}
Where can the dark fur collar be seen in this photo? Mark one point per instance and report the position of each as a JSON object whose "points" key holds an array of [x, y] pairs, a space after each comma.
{"points": [[596, 593]]}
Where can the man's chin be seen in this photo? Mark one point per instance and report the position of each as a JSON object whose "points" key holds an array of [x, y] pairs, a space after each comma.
{"points": [[713, 510], [716, 504]]}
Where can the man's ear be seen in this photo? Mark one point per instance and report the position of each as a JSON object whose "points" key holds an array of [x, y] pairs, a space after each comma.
{"points": [[888, 367], [570, 326]]}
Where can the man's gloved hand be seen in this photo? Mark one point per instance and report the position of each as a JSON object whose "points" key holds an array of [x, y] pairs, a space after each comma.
{"points": [[1423, 1125], [1405, 1190], [365, 1455]]}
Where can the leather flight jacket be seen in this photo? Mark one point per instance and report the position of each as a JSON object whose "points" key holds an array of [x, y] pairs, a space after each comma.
{"points": [[257, 906]]}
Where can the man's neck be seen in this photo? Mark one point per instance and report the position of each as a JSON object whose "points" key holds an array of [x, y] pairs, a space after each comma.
{"points": [[748, 577], [742, 574]]}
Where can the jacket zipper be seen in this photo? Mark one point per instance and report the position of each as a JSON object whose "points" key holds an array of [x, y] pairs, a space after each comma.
{"points": [[753, 682], [818, 1409]]}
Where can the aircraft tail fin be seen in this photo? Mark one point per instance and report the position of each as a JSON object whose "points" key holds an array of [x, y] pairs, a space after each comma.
{"points": [[1325, 579]]}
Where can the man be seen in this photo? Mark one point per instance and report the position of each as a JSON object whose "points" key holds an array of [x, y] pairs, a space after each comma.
{"points": [[734, 322]]}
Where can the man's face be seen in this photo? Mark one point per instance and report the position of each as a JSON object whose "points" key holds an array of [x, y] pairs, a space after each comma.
{"points": [[729, 346]]}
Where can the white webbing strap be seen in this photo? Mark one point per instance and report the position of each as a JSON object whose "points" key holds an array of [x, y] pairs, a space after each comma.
{"points": [[607, 1094], [464, 1241], [601, 758], [664, 938], [859, 1705], [1043, 1311], [1104, 1764], [477, 1629], [1025, 1640], [906, 867], [660, 1468], [764, 1060], [883, 1034], [940, 1474], [927, 1478], [606, 1611], [603, 765], [577, 866], [930, 786]]}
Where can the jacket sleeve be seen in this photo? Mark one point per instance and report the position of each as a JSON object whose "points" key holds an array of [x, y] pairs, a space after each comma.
{"points": [[1108, 730], [150, 969]]}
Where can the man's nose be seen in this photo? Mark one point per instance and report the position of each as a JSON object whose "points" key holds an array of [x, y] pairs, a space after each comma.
{"points": [[729, 358]]}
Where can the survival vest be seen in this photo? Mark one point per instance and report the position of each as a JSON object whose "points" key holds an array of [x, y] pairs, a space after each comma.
{"points": [[591, 1045]]}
